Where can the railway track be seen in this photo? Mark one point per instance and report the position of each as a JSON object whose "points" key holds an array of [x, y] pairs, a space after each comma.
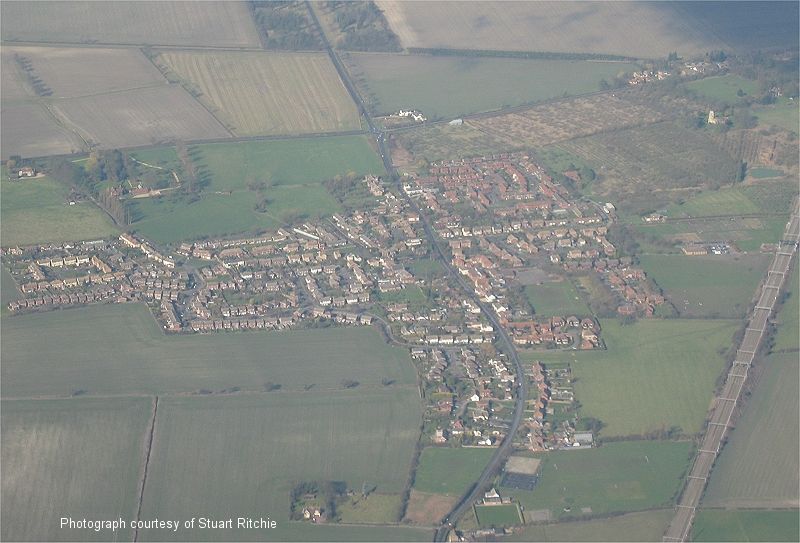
{"points": [[719, 421]]}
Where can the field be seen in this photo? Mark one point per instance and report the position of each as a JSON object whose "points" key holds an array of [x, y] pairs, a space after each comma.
{"points": [[47, 355], [641, 30], [267, 93], [707, 286], [446, 87], [656, 374], [145, 116], [8, 288], [643, 526], [620, 476], [788, 333], [428, 509], [80, 71], [293, 171], [218, 24], [498, 515], [783, 114], [726, 201], [732, 525], [645, 167], [556, 298], [449, 471], [38, 211], [374, 509], [281, 439], [723, 88], [29, 130], [760, 463], [78, 457]]}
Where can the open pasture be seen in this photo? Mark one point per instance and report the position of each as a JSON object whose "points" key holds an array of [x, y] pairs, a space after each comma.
{"points": [[743, 525], [267, 93], [79, 457], [783, 114], [619, 476], [446, 87], [707, 286], [449, 471], [759, 465], [726, 201], [281, 439], [145, 116], [217, 24], [641, 526], [49, 354], [79, 71], [723, 88], [428, 509], [29, 130], [654, 375], [38, 211]]}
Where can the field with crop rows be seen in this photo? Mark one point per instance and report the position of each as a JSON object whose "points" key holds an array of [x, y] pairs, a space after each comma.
{"points": [[743, 525], [29, 130], [218, 24], [79, 457], [267, 93]]}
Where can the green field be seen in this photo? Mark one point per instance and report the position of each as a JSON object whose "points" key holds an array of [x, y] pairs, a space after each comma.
{"points": [[619, 476], [450, 471], [556, 298], [54, 354], [498, 515], [719, 202], [765, 173], [788, 334], [448, 86], [643, 526], [783, 114], [707, 286], [79, 457], [760, 463], [655, 374], [38, 211], [280, 439], [292, 170], [723, 88], [8, 288], [732, 525]]}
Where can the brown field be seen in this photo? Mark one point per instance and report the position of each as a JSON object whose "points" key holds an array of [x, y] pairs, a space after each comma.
{"points": [[221, 24], [79, 71], [267, 93], [428, 509], [11, 83], [537, 126], [140, 117], [29, 130], [647, 29]]}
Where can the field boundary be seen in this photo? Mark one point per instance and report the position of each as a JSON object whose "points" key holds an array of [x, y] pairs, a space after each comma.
{"points": [[148, 450]]}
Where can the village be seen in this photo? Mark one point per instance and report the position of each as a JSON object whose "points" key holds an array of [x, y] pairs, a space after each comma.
{"points": [[500, 217]]}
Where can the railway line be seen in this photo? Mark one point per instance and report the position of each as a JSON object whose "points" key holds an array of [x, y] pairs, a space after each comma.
{"points": [[719, 421]]}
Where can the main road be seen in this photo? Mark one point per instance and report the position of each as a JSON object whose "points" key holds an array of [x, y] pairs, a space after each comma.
{"points": [[521, 391]]}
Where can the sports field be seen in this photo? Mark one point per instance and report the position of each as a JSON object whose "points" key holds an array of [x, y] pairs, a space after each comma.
{"points": [[498, 515], [79, 457], [718, 286], [656, 374], [723, 88], [760, 463], [450, 471], [52, 354], [280, 439], [292, 171], [733, 525], [268, 93], [38, 211], [643, 526], [226, 24], [446, 87], [620, 476], [556, 298]]}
